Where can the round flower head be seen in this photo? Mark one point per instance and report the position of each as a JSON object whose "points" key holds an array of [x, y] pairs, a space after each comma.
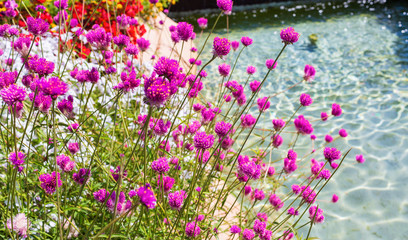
{"points": [[262, 216], [267, 235], [13, 94], [222, 128], [101, 195], [82, 176], [73, 23], [277, 140], [247, 120], [8, 78], [296, 189], [259, 226], [251, 70], [121, 41], [235, 229], [225, 6], [19, 225], [40, 66], [246, 41], [10, 4], [53, 86], [270, 64], [37, 26], [292, 211], [248, 234], [289, 36], [192, 229], [271, 171], [202, 23], [324, 116], [328, 138], [235, 45], [61, 16], [176, 199], [309, 73], [335, 198], [336, 110], [157, 90], [160, 165], [17, 160], [255, 86], [289, 165], [224, 69], [62, 4], [316, 214], [263, 104], [331, 154], [343, 132], [258, 195], [278, 124], [360, 158], [221, 47], [99, 38], [146, 196], [165, 183], [184, 31], [49, 182], [22, 45], [167, 68], [65, 163], [303, 126], [203, 141], [305, 100], [143, 44]]}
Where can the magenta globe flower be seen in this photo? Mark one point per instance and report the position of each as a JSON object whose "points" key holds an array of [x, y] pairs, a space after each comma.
{"points": [[143, 44], [37, 26], [303, 126], [360, 159], [251, 70], [202, 23], [309, 73], [225, 6], [157, 90], [270, 64], [184, 31], [192, 229], [224, 69], [324, 116], [146, 196], [336, 110], [335, 198], [277, 140], [13, 94], [305, 100], [246, 41], [53, 87], [316, 214], [203, 141], [235, 45], [221, 47], [289, 36], [343, 132], [49, 182]]}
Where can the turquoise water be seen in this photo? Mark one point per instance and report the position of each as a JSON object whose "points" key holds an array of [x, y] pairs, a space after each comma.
{"points": [[361, 60]]}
